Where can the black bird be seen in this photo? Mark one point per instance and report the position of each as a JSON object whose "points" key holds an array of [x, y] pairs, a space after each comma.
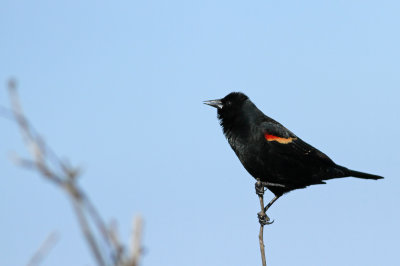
{"points": [[272, 154]]}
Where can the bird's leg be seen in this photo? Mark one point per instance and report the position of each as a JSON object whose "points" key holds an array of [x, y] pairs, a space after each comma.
{"points": [[262, 216], [270, 203]]}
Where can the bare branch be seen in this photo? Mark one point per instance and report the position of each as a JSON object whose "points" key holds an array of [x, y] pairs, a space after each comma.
{"points": [[113, 233], [88, 234], [44, 249], [136, 248], [261, 234], [64, 176]]}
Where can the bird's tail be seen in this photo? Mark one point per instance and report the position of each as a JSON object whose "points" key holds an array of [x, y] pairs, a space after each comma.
{"points": [[363, 175], [340, 171]]}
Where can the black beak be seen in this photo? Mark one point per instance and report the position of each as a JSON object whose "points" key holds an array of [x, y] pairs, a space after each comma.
{"points": [[214, 103]]}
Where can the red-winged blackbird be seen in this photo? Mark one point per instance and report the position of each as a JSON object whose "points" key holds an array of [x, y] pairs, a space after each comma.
{"points": [[272, 154]]}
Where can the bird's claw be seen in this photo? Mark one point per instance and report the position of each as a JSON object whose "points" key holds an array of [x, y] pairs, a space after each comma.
{"points": [[263, 219]]}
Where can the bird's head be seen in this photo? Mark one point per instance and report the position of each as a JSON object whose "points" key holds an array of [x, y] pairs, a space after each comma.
{"points": [[230, 109], [231, 103]]}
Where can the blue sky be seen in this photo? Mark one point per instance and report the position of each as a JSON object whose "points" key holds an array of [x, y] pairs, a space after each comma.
{"points": [[118, 88]]}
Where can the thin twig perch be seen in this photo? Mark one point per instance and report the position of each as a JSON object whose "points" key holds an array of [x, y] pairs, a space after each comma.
{"points": [[261, 234], [262, 216]]}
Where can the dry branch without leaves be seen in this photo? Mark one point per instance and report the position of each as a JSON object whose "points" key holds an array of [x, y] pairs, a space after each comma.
{"points": [[45, 162], [44, 249], [261, 233]]}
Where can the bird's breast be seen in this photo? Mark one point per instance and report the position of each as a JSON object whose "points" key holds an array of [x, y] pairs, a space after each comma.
{"points": [[252, 154]]}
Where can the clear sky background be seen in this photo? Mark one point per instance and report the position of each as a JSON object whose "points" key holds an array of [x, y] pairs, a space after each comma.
{"points": [[117, 87]]}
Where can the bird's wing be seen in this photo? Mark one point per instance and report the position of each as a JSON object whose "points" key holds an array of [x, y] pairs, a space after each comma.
{"points": [[287, 142]]}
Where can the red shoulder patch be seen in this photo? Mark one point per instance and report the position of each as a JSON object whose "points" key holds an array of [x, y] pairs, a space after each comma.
{"points": [[270, 137]]}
